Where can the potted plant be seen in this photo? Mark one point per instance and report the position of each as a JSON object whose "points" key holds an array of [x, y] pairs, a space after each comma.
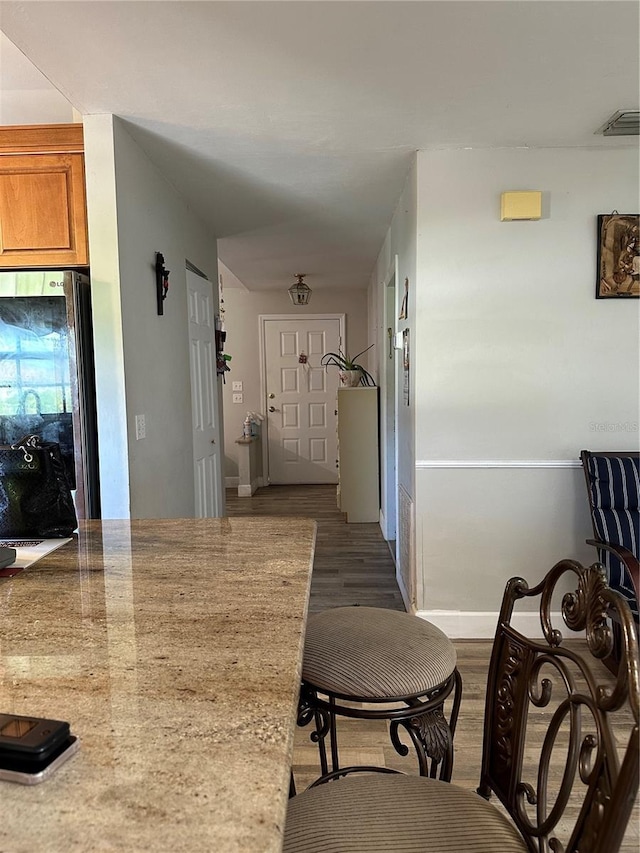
{"points": [[351, 373]]}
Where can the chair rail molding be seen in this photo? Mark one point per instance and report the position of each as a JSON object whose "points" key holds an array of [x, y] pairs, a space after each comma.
{"points": [[497, 463]]}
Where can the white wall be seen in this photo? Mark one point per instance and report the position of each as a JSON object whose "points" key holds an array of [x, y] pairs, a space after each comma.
{"points": [[242, 309], [518, 364], [34, 106], [102, 218], [142, 359], [26, 96]]}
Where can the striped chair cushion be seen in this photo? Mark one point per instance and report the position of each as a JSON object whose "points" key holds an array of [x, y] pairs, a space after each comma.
{"points": [[399, 814], [373, 653], [615, 493], [615, 482]]}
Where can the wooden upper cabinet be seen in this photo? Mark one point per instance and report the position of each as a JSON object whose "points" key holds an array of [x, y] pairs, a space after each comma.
{"points": [[43, 219]]}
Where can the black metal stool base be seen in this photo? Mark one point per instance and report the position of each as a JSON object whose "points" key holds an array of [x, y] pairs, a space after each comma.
{"points": [[422, 717]]}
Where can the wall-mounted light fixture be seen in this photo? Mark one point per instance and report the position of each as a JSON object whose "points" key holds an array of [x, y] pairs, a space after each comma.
{"points": [[162, 282], [520, 205], [299, 292]]}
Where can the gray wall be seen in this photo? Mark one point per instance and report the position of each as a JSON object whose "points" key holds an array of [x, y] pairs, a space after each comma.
{"points": [[142, 359], [517, 366]]}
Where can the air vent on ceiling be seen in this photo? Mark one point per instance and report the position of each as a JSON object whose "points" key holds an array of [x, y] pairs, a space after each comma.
{"points": [[622, 123]]}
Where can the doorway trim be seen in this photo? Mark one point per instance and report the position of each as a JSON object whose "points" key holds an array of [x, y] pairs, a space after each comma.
{"points": [[262, 321], [389, 407], [213, 501]]}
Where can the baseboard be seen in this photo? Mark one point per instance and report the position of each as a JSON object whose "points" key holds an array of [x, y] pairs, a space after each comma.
{"points": [[405, 595], [481, 625], [498, 463], [231, 482], [246, 490]]}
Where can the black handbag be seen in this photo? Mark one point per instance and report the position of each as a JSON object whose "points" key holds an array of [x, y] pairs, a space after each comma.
{"points": [[35, 496], [50, 426]]}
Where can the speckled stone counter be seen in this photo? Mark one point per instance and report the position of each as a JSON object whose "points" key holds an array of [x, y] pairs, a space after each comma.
{"points": [[173, 648]]}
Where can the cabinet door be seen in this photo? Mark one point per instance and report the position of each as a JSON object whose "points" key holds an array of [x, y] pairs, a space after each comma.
{"points": [[42, 210]]}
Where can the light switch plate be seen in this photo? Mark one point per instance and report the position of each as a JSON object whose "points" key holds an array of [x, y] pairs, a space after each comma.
{"points": [[238, 398], [141, 427]]}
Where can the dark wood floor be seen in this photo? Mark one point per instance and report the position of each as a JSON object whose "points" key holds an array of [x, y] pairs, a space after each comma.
{"points": [[353, 565]]}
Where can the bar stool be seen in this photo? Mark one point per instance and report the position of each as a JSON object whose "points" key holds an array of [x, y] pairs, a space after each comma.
{"points": [[396, 666]]}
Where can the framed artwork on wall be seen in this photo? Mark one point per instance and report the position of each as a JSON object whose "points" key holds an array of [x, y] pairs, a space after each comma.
{"points": [[404, 308], [618, 256]]}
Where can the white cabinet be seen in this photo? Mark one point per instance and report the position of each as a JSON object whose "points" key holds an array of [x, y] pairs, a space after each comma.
{"points": [[358, 467]]}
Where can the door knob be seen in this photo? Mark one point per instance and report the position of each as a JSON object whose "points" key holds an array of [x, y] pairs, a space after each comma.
{"points": [[272, 408], [271, 396]]}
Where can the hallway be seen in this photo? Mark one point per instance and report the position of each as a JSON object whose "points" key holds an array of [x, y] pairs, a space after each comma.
{"points": [[352, 564]]}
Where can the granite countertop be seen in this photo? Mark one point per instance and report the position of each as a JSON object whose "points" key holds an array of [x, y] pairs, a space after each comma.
{"points": [[173, 648]]}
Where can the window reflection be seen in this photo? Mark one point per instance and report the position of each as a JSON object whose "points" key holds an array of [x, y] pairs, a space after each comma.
{"points": [[35, 380]]}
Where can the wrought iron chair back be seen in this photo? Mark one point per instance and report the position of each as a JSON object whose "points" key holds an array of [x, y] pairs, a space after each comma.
{"points": [[587, 805]]}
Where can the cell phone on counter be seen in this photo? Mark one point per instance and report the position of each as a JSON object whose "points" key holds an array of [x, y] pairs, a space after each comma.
{"points": [[32, 748]]}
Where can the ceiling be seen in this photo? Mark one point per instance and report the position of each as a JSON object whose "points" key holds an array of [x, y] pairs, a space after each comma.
{"points": [[289, 126]]}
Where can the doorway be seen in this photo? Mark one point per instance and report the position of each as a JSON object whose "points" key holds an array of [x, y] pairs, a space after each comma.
{"points": [[389, 395], [299, 434]]}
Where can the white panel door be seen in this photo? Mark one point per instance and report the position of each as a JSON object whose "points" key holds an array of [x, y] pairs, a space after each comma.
{"points": [[205, 401], [301, 400]]}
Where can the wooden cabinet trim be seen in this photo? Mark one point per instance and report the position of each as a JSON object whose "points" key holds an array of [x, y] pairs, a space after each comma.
{"points": [[41, 139]]}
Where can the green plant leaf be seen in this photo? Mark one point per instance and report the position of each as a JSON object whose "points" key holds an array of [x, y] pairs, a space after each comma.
{"points": [[343, 362]]}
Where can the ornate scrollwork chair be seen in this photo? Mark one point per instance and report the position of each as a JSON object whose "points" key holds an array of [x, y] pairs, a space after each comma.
{"points": [[560, 749], [376, 664]]}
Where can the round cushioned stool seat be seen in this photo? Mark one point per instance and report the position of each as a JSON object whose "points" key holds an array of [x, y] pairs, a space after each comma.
{"points": [[403, 814], [370, 652]]}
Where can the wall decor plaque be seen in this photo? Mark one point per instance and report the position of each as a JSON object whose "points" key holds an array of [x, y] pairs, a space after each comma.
{"points": [[618, 255]]}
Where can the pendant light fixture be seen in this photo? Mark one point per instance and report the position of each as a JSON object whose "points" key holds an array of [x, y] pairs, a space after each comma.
{"points": [[299, 292]]}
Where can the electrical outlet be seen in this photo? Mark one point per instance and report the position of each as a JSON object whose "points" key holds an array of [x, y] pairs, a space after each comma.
{"points": [[141, 427], [238, 398], [236, 386]]}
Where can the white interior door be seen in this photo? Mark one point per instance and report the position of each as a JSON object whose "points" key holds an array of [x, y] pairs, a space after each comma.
{"points": [[302, 444], [205, 399]]}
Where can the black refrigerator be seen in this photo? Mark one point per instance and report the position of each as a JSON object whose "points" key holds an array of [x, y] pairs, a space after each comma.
{"points": [[47, 377]]}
